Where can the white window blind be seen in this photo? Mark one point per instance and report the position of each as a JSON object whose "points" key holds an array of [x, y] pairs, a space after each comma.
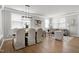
{"points": [[46, 23], [18, 22], [59, 23]]}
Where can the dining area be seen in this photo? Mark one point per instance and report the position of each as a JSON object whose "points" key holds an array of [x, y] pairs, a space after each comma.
{"points": [[27, 37]]}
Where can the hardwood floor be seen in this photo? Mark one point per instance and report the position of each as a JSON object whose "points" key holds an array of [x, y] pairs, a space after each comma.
{"points": [[48, 45]]}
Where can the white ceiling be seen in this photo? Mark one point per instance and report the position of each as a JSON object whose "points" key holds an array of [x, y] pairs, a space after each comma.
{"points": [[47, 10]]}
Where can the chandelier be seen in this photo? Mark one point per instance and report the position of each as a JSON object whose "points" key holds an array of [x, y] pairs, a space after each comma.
{"points": [[27, 12]]}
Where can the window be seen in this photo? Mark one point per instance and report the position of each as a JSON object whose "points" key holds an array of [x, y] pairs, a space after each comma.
{"points": [[46, 23], [18, 22], [59, 23]]}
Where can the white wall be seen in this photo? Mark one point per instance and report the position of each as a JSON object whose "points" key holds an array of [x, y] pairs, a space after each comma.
{"points": [[6, 17], [1, 33], [77, 22], [72, 24]]}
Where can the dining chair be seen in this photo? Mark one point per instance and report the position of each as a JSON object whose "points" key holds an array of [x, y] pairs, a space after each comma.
{"points": [[18, 41], [39, 35], [31, 36]]}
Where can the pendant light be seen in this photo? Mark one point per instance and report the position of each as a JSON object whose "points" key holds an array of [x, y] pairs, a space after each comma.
{"points": [[27, 15]]}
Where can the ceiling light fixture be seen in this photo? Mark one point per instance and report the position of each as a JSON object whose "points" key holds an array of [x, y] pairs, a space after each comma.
{"points": [[27, 12]]}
